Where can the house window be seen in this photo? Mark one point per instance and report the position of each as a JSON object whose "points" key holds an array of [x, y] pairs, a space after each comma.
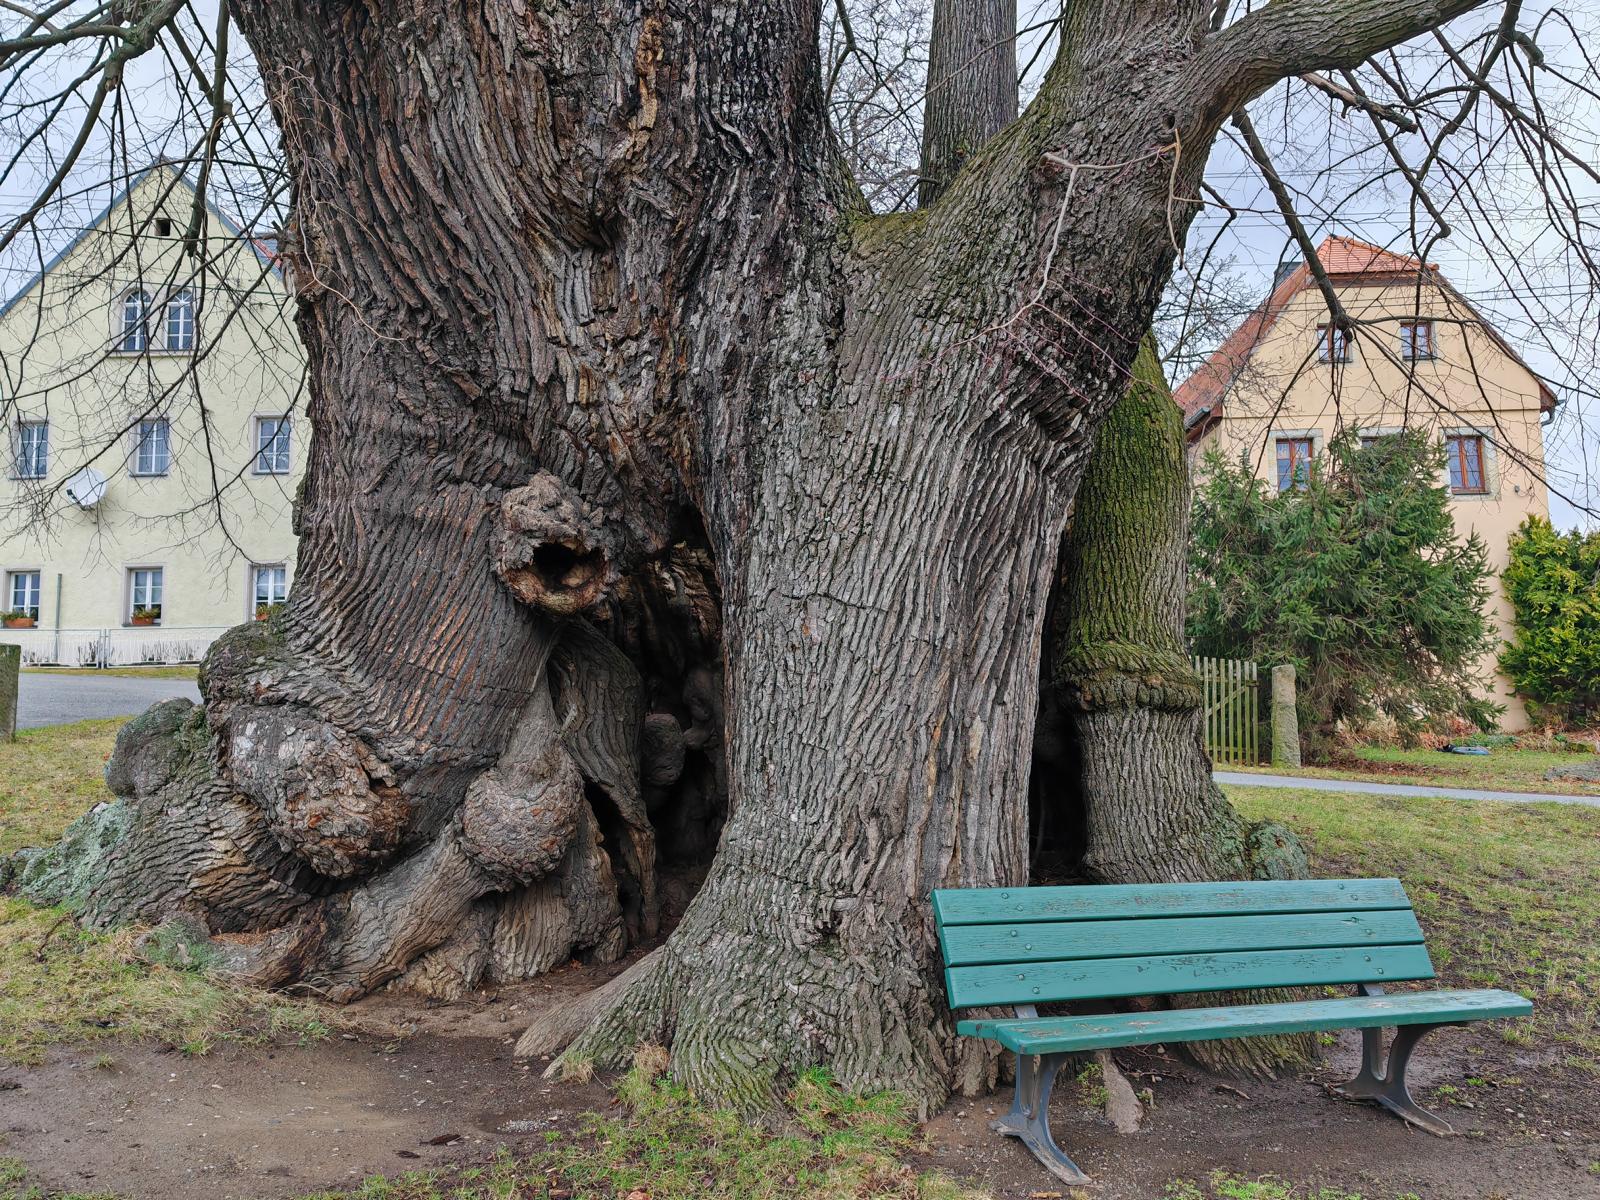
{"points": [[180, 321], [25, 593], [1416, 339], [271, 587], [272, 445], [153, 455], [1294, 463], [33, 449], [144, 594], [163, 226], [135, 335], [1333, 344], [1464, 454]]}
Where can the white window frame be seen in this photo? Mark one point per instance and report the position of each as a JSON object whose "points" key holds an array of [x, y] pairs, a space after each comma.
{"points": [[253, 598], [137, 465], [1328, 334], [24, 461], [169, 308], [12, 577], [132, 600], [283, 424], [126, 329]]}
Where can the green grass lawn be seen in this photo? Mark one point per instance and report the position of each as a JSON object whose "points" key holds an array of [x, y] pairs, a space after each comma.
{"points": [[1503, 768], [1509, 894], [175, 671]]}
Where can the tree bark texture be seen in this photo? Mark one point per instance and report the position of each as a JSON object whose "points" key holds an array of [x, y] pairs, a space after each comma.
{"points": [[663, 499], [972, 86]]}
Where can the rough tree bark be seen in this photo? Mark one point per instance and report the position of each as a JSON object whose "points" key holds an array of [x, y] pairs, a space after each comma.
{"points": [[972, 86], [1122, 677], [592, 311]]}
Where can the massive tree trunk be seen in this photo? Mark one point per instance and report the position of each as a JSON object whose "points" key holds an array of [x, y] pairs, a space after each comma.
{"points": [[610, 372]]}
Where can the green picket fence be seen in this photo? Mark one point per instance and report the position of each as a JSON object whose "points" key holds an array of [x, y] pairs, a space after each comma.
{"points": [[1232, 708]]}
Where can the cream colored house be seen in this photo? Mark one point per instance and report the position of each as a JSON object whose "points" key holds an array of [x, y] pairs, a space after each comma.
{"points": [[156, 435], [1286, 380]]}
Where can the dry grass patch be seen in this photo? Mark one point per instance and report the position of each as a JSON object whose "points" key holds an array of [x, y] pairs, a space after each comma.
{"points": [[50, 777], [60, 985]]}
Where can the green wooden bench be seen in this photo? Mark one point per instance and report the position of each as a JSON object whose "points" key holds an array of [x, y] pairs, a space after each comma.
{"points": [[1021, 947]]}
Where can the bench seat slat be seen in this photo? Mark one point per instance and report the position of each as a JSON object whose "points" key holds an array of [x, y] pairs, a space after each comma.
{"points": [[1051, 1035], [1101, 978], [993, 906], [971, 945]]}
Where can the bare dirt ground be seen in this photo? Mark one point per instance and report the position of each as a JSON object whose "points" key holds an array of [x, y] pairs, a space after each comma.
{"points": [[418, 1086]]}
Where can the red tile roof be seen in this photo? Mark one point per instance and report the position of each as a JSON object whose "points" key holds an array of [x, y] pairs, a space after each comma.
{"points": [[1346, 260]]}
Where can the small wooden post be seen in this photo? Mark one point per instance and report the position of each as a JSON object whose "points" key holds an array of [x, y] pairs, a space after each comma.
{"points": [[1285, 722], [10, 671]]}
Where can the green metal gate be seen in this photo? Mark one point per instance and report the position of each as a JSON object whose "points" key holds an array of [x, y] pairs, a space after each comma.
{"points": [[1232, 709]]}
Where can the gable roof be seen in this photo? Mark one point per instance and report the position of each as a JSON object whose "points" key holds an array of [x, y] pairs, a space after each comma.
{"points": [[1347, 261], [263, 250]]}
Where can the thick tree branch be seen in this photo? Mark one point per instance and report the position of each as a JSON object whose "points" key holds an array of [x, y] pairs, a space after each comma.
{"points": [[1294, 37]]}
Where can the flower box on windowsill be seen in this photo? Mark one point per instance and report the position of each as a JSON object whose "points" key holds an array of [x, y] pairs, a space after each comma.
{"points": [[146, 616], [20, 622]]}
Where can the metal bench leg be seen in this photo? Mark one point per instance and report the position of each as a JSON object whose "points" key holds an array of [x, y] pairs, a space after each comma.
{"points": [[1388, 1088], [1029, 1118]]}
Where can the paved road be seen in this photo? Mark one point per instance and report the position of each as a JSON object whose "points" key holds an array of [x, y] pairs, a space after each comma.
{"points": [[1395, 789], [57, 699]]}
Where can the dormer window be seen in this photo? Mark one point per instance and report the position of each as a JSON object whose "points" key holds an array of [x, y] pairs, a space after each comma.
{"points": [[180, 321]]}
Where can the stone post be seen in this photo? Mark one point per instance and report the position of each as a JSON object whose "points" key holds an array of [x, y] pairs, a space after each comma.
{"points": [[10, 669], [1285, 724]]}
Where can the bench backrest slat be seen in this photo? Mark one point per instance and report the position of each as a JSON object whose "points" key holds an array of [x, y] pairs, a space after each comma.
{"points": [[995, 906], [1034, 945], [1102, 978], [974, 945]]}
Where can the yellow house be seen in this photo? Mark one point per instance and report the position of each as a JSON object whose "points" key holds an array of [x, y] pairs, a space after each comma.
{"points": [[1418, 356], [152, 396]]}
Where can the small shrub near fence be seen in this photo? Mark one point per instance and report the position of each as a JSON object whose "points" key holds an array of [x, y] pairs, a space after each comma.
{"points": [[1232, 709]]}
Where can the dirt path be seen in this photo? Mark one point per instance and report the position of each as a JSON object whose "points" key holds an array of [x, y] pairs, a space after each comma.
{"points": [[421, 1086]]}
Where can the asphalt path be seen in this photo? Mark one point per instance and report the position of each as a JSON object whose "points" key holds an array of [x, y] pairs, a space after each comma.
{"points": [[1252, 779], [51, 699]]}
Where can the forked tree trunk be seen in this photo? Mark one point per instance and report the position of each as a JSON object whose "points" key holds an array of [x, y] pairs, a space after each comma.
{"points": [[600, 335]]}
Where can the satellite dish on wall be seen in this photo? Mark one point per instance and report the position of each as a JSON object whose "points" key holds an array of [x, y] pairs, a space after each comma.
{"points": [[86, 488]]}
